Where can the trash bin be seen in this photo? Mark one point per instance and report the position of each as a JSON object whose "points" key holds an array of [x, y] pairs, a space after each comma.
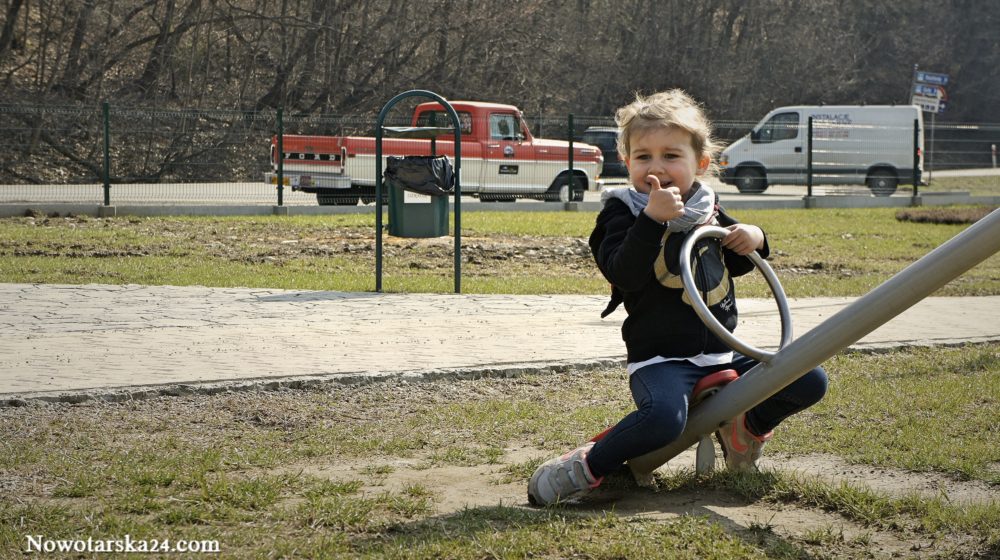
{"points": [[418, 195]]}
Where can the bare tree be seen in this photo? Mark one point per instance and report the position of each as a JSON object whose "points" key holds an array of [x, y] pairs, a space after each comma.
{"points": [[328, 57]]}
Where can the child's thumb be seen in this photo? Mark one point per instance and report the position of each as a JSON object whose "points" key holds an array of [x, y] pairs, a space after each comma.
{"points": [[654, 183]]}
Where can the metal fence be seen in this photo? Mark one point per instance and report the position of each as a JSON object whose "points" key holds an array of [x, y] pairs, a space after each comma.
{"points": [[107, 154]]}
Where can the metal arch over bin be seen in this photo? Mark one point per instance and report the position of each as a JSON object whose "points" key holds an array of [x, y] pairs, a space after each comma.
{"points": [[418, 220]]}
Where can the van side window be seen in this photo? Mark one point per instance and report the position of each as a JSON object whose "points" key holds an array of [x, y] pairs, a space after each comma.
{"points": [[504, 127], [783, 126]]}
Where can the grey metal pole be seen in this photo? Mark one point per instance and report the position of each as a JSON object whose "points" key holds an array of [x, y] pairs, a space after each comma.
{"points": [[897, 294]]}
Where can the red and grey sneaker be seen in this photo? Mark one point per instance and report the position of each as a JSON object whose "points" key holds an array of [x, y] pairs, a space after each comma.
{"points": [[562, 479], [740, 446]]}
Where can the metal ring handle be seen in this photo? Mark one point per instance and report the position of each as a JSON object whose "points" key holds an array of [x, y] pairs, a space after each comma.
{"points": [[705, 314]]}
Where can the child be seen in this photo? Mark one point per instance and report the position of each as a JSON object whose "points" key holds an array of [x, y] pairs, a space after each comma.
{"points": [[666, 143]]}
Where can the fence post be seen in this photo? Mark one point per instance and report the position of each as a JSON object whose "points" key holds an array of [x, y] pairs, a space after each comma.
{"points": [[809, 160], [571, 179], [281, 158], [105, 112]]}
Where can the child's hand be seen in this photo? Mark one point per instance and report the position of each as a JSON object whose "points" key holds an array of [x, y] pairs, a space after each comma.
{"points": [[664, 204], [743, 239]]}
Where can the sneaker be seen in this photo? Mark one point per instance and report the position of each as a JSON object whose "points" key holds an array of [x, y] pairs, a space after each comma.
{"points": [[740, 447], [563, 478]]}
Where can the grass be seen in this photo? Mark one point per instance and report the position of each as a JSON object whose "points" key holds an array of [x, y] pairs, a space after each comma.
{"points": [[295, 474], [819, 252], [304, 473], [975, 186], [937, 397]]}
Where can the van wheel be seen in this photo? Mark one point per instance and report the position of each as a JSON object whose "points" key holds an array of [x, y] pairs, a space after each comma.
{"points": [[882, 182], [751, 181]]}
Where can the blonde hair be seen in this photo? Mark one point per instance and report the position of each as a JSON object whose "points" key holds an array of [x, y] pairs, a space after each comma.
{"points": [[668, 109]]}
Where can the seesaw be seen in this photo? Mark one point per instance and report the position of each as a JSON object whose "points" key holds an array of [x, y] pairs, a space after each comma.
{"points": [[731, 396]]}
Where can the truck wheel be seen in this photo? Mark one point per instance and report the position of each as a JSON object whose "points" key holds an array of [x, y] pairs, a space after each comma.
{"points": [[492, 197], [368, 194], [560, 190], [882, 182], [336, 199], [750, 181]]}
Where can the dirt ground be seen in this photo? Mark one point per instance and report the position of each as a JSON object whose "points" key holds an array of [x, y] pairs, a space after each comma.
{"points": [[457, 488], [209, 420], [495, 254]]}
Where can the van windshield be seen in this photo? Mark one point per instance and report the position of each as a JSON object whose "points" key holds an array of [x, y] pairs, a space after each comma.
{"points": [[783, 126]]}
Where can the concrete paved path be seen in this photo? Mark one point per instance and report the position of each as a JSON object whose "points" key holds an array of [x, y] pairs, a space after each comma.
{"points": [[70, 343]]}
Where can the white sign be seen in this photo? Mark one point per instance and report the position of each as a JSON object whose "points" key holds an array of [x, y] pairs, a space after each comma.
{"points": [[926, 104], [410, 197]]}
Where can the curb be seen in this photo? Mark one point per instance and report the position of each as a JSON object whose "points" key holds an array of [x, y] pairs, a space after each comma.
{"points": [[317, 382]]}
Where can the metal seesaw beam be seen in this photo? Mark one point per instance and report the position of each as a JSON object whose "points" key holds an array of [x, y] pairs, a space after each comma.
{"points": [[897, 294]]}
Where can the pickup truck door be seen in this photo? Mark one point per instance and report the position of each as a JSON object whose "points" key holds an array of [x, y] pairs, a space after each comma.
{"points": [[509, 162]]}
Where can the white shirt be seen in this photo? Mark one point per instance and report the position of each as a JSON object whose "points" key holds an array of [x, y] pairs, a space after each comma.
{"points": [[702, 360]]}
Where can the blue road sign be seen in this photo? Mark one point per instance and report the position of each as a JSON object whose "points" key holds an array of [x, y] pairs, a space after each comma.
{"points": [[922, 89], [932, 78]]}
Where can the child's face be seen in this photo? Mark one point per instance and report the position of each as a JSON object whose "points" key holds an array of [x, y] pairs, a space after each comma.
{"points": [[664, 153]]}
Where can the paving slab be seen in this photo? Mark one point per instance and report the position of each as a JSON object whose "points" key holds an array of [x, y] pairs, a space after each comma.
{"points": [[74, 342]]}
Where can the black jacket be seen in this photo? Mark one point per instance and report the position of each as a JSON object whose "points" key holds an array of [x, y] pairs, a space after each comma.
{"points": [[640, 260]]}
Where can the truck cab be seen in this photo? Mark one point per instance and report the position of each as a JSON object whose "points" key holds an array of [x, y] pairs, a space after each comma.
{"points": [[501, 160]]}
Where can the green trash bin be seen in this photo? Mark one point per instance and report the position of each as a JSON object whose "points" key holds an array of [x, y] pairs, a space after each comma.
{"points": [[418, 195], [417, 215]]}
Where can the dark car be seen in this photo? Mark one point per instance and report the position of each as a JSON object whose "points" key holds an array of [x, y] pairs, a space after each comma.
{"points": [[606, 138]]}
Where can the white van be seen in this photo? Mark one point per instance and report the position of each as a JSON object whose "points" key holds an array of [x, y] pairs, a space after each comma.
{"points": [[851, 145]]}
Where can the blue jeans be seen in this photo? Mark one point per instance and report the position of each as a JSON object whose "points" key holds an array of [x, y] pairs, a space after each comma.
{"points": [[661, 393]]}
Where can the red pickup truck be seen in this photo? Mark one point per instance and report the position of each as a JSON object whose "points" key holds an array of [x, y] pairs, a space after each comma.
{"points": [[501, 161]]}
